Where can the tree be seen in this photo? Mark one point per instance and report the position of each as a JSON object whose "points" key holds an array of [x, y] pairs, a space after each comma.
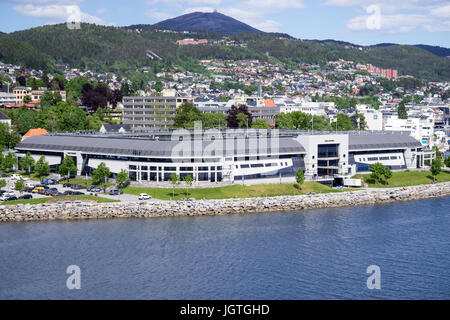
{"points": [[242, 119], [174, 179], [401, 111], [26, 99], [186, 114], [344, 123], [22, 81], [232, 117], [67, 167], [41, 167], [447, 162], [299, 178], [260, 124], [115, 97], [19, 185], [27, 163], [380, 173], [101, 173], [157, 86], [435, 168], [122, 179], [188, 181], [9, 137], [9, 161], [2, 183]]}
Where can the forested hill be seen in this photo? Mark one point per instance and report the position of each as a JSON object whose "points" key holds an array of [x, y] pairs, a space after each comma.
{"points": [[207, 21], [122, 49]]}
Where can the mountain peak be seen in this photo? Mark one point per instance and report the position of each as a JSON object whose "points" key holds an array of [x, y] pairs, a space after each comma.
{"points": [[207, 21]]}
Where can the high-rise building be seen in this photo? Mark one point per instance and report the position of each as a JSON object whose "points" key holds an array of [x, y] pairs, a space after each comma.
{"points": [[152, 112]]}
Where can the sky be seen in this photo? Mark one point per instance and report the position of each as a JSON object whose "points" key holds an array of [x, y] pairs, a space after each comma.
{"points": [[363, 22]]}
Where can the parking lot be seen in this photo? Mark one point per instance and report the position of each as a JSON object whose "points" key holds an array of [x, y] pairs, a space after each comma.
{"points": [[10, 183]]}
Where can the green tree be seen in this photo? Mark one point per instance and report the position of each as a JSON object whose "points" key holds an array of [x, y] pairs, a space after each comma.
{"points": [[260, 124], [9, 161], [186, 115], [26, 99], [447, 162], [19, 185], [380, 173], [2, 183], [344, 123], [401, 111], [175, 180], [188, 181], [242, 120], [41, 167], [8, 136], [299, 178], [67, 167], [435, 168], [100, 174], [122, 179], [27, 163]]}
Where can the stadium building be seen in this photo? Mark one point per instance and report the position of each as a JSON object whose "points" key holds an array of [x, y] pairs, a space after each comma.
{"points": [[231, 155]]}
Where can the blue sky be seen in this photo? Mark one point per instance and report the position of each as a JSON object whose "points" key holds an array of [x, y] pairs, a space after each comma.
{"points": [[358, 21]]}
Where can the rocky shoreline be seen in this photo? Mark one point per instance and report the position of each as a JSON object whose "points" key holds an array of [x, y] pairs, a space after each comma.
{"points": [[87, 210]]}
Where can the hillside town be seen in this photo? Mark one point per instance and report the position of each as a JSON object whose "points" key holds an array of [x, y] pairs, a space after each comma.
{"points": [[268, 89]]}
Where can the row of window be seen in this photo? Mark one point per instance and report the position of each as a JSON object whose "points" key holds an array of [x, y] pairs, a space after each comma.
{"points": [[154, 168], [260, 165], [380, 158]]}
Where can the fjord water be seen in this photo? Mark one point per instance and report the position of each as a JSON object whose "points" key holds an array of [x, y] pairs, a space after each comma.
{"points": [[312, 254]]}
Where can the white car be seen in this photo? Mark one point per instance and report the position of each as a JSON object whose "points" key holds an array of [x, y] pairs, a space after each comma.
{"points": [[16, 177], [144, 196], [29, 185]]}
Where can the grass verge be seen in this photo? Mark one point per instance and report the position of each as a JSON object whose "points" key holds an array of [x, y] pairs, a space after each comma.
{"points": [[406, 178], [234, 191], [44, 200]]}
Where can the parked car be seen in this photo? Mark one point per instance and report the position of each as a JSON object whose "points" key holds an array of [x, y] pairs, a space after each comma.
{"points": [[77, 186], [144, 196], [48, 181], [26, 196], [10, 198], [29, 185], [115, 192], [67, 185], [3, 175], [9, 193], [16, 177], [58, 194]]}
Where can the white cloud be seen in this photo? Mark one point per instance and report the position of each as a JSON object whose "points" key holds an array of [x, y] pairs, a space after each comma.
{"points": [[443, 11], [56, 13], [399, 16], [399, 23]]}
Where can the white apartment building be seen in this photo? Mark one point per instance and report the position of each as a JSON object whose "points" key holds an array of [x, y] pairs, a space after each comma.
{"points": [[420, 127], [374, 118]]}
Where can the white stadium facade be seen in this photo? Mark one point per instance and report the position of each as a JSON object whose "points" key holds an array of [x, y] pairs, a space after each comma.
{"points": [[231, 155]]}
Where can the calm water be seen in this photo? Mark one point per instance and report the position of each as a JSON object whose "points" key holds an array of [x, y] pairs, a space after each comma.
{"points": [[288, 255]]}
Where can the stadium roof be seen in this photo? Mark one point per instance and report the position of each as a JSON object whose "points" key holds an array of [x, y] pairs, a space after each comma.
{"points": [[381, 141], [156, 148]]}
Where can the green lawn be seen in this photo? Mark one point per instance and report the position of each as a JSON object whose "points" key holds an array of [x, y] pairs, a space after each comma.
{"points": [[406, 178], [44, 200], [234, 191]]}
